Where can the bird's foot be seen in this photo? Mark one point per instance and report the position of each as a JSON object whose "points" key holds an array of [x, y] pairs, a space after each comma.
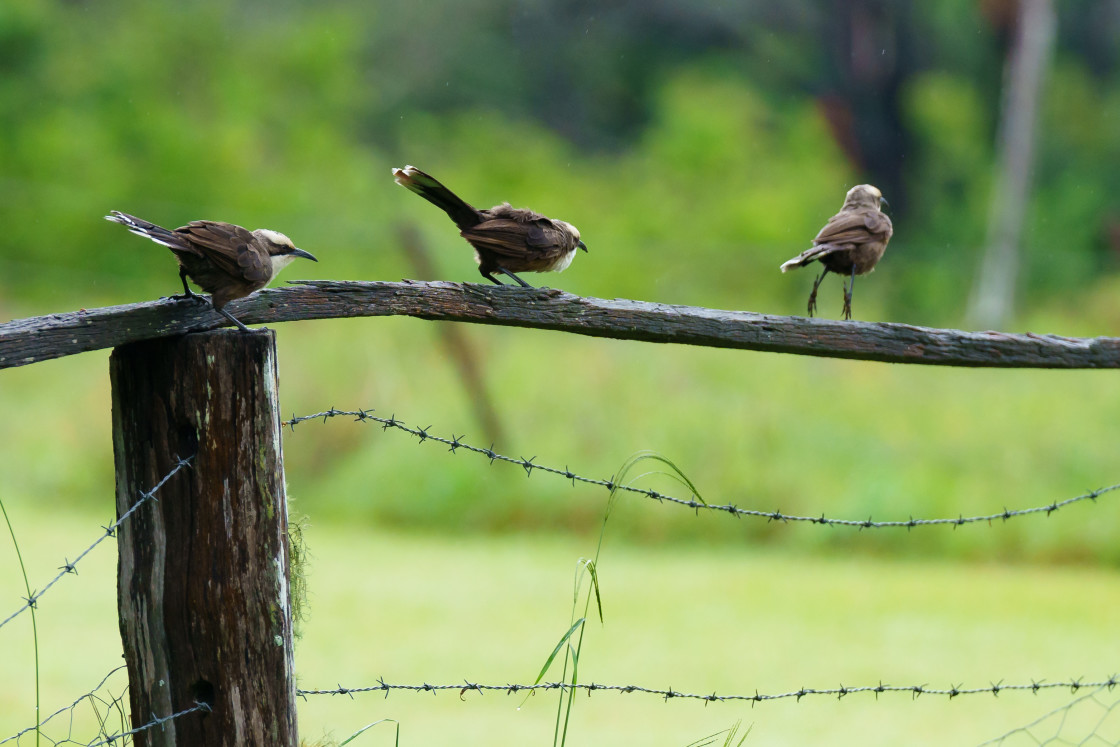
{"points": [[246, 330], [813, 302], [233, 319], [188, 296], [849, 289], [492, 279]]}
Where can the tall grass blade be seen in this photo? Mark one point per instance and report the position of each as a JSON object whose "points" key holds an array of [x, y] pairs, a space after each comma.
{"points": [[556, 650], [31, 609], [591, 566], [367, 727], [727, 740]]}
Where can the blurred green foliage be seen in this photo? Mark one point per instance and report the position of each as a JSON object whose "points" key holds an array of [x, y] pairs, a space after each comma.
{"points": [[696, 146], [694, 142]]}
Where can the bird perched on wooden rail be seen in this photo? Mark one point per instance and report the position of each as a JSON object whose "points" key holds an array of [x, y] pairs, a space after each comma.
{"points": [[505, 239], [851, 243], [225, 260]]}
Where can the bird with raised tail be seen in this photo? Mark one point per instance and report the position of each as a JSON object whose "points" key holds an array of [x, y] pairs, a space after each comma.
{"points": [[851, 243], [506, 239], [225, 260]]}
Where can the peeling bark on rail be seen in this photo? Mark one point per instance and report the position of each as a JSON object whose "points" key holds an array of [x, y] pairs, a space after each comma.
{"points": [[30, 340]]}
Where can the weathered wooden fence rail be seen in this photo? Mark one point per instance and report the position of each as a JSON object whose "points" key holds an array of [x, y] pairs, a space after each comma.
{"points": [[29, 340]]}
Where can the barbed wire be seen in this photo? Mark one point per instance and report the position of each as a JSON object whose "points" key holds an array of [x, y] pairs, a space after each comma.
{"points": [[156, 721], [70, 566], [1069, 724], [104, 706], [93, 697], [529, 465], [838, 692]]}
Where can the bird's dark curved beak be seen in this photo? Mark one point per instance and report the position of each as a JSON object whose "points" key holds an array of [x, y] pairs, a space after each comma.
{"points": [[581, 245], [305, 255], [884, 206]]}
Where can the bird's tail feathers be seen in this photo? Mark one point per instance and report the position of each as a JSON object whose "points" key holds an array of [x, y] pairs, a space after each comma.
{"points": [[415, 180], [807, 257], [141, 227]]}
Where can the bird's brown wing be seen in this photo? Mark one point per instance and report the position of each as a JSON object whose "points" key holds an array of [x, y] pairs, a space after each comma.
{"points": [[854, 226], [231, 248], [510, 238]]}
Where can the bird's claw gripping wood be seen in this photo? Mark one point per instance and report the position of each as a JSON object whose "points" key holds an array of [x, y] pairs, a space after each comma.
{"points": [[813, 294], [233, 319], [185, 297], [848, 289], [188, 296]]}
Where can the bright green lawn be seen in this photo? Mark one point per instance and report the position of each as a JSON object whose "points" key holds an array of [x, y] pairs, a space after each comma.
{"points": [[440, 609]]}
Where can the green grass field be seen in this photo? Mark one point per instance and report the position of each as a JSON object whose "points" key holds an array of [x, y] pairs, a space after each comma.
{"points": [[439, 609], [438, 567]]}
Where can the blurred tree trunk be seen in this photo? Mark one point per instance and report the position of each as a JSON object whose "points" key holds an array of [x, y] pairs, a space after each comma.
{"points": [[993, 293], [459, 346], [861, 89]]}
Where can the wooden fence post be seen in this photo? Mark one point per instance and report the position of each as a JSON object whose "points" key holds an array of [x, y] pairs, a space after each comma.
{"points": [[203, 574]]}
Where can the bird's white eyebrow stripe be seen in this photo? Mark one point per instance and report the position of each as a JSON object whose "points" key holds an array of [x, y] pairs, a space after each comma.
{"points": [[275, 237]]}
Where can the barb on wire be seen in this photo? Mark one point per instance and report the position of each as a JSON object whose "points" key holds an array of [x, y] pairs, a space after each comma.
{"points": [[70, 566], [530, 465], [836, 692]]}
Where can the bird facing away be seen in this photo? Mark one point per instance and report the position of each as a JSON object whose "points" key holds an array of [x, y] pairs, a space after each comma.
{"points": [[505, 239], [225, 260], [852, 241]]}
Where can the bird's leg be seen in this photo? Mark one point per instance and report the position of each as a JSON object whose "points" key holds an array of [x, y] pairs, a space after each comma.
{"points": [[848, 294], [813, 295], [233, 319], [187, 293], [491, 278], [504, 271]]}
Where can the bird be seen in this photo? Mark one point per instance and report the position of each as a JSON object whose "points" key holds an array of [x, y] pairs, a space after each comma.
{"points": [[225, 260], [851, 243], [506, 239]]}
